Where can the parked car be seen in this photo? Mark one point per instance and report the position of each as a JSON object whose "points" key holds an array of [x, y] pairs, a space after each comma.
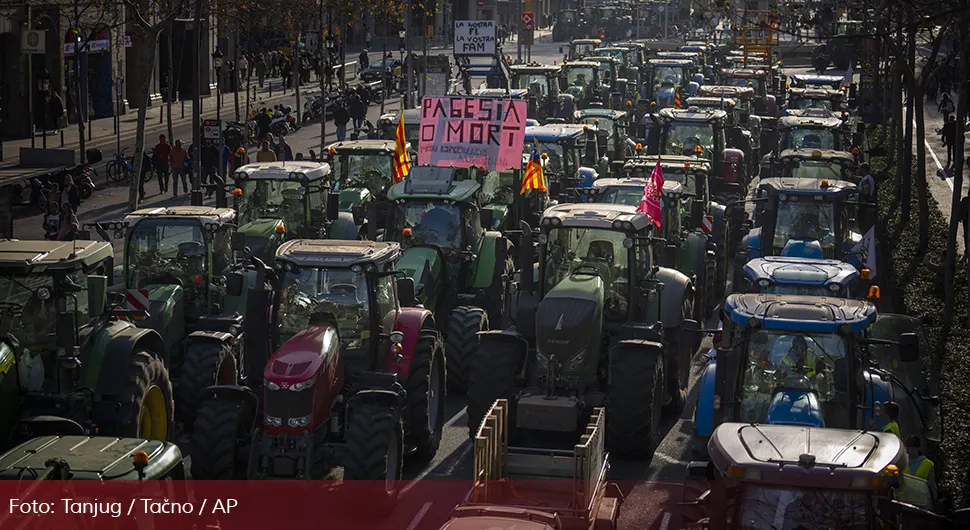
{"points": [[376, 69]]}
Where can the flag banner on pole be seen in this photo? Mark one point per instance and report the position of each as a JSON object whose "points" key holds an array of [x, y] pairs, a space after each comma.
{"points": [[867, 251], [676, 98], [650, 202], [402, 161], [534, 177]]}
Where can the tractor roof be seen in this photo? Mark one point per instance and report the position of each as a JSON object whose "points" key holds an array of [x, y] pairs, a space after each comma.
{"points": [[206, 214], [97, 458], [670, 62], [669, 164], [535, 68], [411, 116], [429, 182], [589, 215], [555, 132], [726, 91], [579, 64], [601, 113], [299, 171], [329, 253], [628, 45], [711, 102], [697, 114], [695, 47], [823, 119], [382, 146], [68, 255], [744, 72], [807, 186], [586, 41], [830, 155], [802, 271], [678, 54], [814, 93], [611, 49], [815, 79], [671, 188], [500, 92], [601, 59], [806, 457], [812, 314]]}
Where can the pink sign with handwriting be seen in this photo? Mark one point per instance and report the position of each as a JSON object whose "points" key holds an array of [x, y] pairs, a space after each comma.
{"points": [[469, 131]]}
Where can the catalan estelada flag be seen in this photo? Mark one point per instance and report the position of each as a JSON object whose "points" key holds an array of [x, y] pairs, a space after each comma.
{"points": [[402, 161], [676, 98], [534, 178]]}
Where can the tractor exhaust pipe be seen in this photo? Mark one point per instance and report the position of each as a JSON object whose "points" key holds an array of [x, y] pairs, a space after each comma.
{"points": [[526, 252]]}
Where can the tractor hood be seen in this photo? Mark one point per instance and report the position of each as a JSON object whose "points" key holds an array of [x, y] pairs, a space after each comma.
{"points": [[301, 357], [98, 458], [423, 264], [570, 317], [166, 309], [259, 232], [350, 197]]}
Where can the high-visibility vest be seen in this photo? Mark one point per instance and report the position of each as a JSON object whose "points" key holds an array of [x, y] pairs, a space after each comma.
{"points": [[892, 427], [923, 471], [915, 491]]}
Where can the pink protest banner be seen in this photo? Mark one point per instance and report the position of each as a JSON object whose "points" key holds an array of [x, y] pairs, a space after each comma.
{"points": [[468, 131]]}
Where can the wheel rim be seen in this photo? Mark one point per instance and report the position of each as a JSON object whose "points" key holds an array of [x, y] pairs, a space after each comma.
{"points": [[390, 471], [153, 418], [434, 397]]}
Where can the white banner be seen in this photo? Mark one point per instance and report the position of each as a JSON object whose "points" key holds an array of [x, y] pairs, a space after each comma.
{"points": [[474, 37], [33, 41]]}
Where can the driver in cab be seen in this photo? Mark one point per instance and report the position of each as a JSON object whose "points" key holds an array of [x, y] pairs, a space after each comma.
{"points": [[800, 358]]}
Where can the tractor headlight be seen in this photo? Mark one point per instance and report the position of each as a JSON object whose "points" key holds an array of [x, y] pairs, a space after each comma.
{"points": [[301, 421], [543, 239], [270, 385], [763, 283], [304, 385], [273, 421], [396, 337], [574, 364], [834, 287]]}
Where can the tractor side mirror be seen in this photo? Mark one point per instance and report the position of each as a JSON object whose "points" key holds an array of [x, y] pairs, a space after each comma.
{"points": [[701, 470], [697, 210], [234, 284], [405, 292], [487, 218], [333, 206], [670, 254], [65, 328], [97, 295], [239, 242], [909, 347]]}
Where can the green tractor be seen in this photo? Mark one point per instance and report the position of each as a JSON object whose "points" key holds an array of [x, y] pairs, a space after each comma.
{"points": [[603, 326], [461, 270], [184, 263], [68, 363], [363, 172], [280, 201], [97, 458]]}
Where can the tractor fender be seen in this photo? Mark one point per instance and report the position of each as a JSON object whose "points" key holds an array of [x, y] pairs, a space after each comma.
{"points": [[733, 164], [385, 398], [692, 88], [772, 105], [704, 414], [565, 106], [410, 321], [488, 255], [676, 287], [693, 255], [509, 337], [219, 337], [232, 392], [877, 390], [108, 359], [343, 227], [350, 197], [751, 244], [717, 211], [586, 177]]}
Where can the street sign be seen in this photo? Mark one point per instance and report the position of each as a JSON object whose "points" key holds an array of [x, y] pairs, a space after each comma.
{"points": [[33, 41], [528, 21], [212, 129], [474, 37], [137, 299], [125, 41]]}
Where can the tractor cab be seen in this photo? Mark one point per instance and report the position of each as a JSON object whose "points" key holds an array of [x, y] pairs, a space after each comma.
{"points": [[610, 81], [810, 218], [572, 157], [833, 100], [847, 46], [758, 79], [821, 164], [585, 84], [814, 129], [363, 171], [564, 28], [746, 134], [696, 57], [628, 61], [544, 95], [611, 131], [387, 125], [803, 276], [278, 201], [580, 48], [830, 82], [669, 79], [791, 476], [635, 53]]}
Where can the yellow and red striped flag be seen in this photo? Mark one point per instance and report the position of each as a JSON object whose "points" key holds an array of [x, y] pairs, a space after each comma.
{"points": [[676, 98], [402, 161], [534, 178]]}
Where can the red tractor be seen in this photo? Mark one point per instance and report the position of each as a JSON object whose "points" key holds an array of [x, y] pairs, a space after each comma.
{"points": [[352, 376]]}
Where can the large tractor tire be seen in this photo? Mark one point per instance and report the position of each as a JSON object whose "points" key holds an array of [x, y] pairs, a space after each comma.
{"points": [[635, 401], [425, 403], [498, 313], [221, 439], [464, 323], [677, 369], [147, 406], [492, 366], [375, 453], [204, 364], [712, 285]]}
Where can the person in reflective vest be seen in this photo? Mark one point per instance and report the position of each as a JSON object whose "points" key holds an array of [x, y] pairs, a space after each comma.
{"points": [[800, 358], [890, 413], [919, 481]]}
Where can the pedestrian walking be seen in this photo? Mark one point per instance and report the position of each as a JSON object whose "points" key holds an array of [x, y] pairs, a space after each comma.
{"points": [[340, 118], [948, 136], [286, 72], [367, 37], [146, 166], [357, 109], [68, 224], [945, 106], [260, 70], [162, 154], [210, 165], [284, 153], [70, 193], [243, 68], [179, 161], [867, 184], [363, 59], [265, 154], [239, 159]]}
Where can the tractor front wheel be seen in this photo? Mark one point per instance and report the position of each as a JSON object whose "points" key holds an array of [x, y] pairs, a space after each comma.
{"points": [[492, 366], [204, 364], [680, 351], [426, 398], [147, 407], [221, 439], [499, 294], [635, 400], [374, 452], [464, 323]]}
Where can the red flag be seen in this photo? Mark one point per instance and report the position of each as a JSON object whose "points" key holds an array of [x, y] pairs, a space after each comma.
{"points": [[650, 202]]}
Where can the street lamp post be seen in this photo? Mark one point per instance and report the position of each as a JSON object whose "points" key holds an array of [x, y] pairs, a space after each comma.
{"points": [[217, 63], [44, 87]]}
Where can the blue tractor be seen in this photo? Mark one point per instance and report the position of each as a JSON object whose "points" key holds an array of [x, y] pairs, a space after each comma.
{"points": [[812, 361], [571, 151], [804, 276]]}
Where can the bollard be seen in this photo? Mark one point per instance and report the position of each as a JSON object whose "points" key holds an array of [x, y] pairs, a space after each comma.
{"points": [[89, 130], [270, 89], [62, 137], [183, 109]]}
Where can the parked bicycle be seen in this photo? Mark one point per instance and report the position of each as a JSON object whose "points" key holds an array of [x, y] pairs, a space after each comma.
{"points": [[123, 166]]}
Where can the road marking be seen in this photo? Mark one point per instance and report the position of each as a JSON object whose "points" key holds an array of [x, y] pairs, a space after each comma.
{"points": [[666, 521], [668, 459], [420, 515], [936, 160]]}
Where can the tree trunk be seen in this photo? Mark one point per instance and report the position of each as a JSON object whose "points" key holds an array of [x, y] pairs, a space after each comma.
{"points": [[146, 57], [904, 166], [170, 96]]}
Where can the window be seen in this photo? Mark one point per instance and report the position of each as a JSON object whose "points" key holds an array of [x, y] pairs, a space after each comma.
{"points": [[78, 302], [684, 137], [27, 312], [810, 138], [371, 171], [579, 76], [339, 292], [591, 251], [387, 302], [432, 223], [537, 83], [667, 75], [807, 220]]}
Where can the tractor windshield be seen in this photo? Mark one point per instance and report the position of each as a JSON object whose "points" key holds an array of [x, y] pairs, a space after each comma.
{"points": [[556, 160], [796, 378], [688, 180], [810, 103], [774, 508], [806, 220], [339, 292], [621, 195], [169, 251], [583, 49], [752, 82], [683, 137], [606, 73], [272, 199], [567, 17], [810, 138], [27, 310], [580, 76], [667, 75], [816, 169], [432, 223], [602, 123], [372, 171], [590, 251], [536, 83]]}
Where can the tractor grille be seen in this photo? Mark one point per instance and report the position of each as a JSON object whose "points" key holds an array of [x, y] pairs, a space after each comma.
{"points": [[286, 404]]}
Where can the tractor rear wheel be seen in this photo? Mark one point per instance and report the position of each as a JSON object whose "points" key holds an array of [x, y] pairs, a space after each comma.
{"points": [[374, 452], [711, 287], [635, 400], [221, 439], [464, 323], [147, 407], [426, 398], [499, 294], [204, 364], [491, 375], [680, 350]]}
